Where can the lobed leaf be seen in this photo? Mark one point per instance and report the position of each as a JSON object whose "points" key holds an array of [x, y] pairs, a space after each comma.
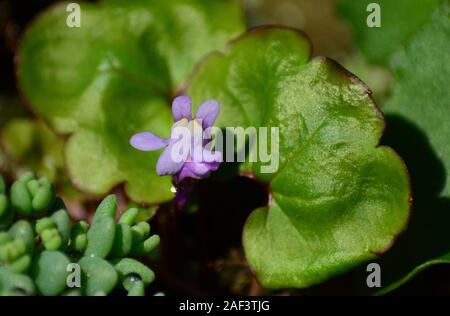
{"points": [[114, 76], [337, 198]]}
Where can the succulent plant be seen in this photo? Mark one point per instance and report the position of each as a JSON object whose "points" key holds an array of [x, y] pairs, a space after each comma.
{"points": [[42, 252]]}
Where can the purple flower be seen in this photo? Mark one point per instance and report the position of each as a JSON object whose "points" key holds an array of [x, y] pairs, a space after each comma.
{"points": [[186, 154]]}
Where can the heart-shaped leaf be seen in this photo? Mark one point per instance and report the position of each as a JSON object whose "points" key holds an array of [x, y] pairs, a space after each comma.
{"points": [[337, 198], [113, 76]]}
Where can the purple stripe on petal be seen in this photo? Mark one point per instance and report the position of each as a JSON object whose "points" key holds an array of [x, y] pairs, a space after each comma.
{"points": [[182, 108], [208, 112], [147, 141], [167, 163]]}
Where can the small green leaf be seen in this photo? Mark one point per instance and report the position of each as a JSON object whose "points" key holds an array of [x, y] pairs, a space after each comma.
{"points": [[128, 267], [100, 276], [136, 288], [42, 199], [24, 231], [13, 253], [123, 241], [49, 233], [100, 237], [140, 231], [126, 62], [129, 216], [15, 284], [49, 272], [31, 196], [337, 198], [146, 246], [101, 234], [63, 223], [6, 212], [21, 198], [79, 236], [106, 209], [21, 264]]}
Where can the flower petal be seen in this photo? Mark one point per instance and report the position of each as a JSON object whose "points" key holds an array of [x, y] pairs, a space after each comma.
{"points": [[212, 156], [199, 169], [182, 108], [185, 173], [179, 129], [208, 112], [167, 164], [147, 141]]}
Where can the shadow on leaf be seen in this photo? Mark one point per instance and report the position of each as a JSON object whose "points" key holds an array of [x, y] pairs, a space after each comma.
{"points": [[428, 234]]}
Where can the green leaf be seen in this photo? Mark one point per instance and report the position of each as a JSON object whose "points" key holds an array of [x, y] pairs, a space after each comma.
{"points": [[49, 272], [337, 198], [32, 196], [123, 241], [106, 209], [63, 223], [129, 216], [421, 94], [6, 212], [418, 110], [100, 237], [400, 20], [79, 236], [21, 198], [128, 267], [114, 76], [100, 276], [14, 284], [137, 288], [24, 231], [33, 146]]}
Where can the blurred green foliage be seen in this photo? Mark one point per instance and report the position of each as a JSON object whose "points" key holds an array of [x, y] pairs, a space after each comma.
{"points": [[400, 20], [31, 145]]}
